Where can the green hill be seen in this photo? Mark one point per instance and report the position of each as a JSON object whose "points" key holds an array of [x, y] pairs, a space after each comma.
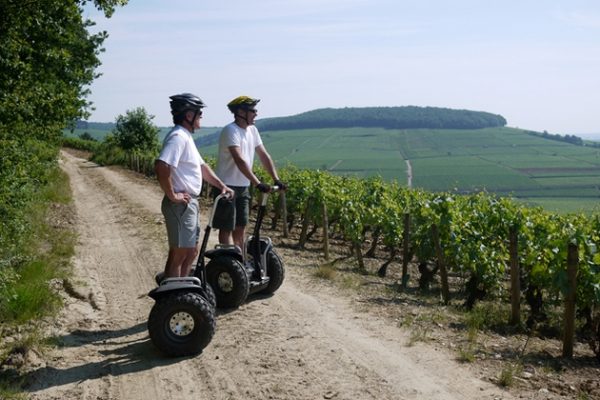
{"points": [[408, 117], [556, 174]]}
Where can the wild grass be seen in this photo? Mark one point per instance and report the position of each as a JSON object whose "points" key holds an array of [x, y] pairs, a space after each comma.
{"points": [[27, 293], [326, 272], [47, 251], [418, 334], [11, 392], [508, 373], [466, 354], [486, 315]]}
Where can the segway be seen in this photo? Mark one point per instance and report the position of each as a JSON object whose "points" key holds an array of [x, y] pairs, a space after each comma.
{"points": [[182, 321], [235, 273]]}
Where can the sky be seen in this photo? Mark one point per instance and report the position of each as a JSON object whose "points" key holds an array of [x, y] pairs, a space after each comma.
{"points": [[535, 62]]}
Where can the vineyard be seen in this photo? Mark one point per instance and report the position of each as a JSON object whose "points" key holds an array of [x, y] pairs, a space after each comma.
{"points": [[477, 238], [497, 248]]}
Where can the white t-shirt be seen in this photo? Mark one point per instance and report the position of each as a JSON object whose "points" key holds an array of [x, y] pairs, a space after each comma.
{"points": [[247, 140], [181, 153]]}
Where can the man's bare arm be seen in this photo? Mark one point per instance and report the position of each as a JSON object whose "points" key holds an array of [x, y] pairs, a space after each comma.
{"points": [[163, 174], [242, 165]]}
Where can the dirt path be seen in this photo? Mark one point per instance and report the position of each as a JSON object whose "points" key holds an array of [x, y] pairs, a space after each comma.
{"points": [[302, 343], [409, 174]]}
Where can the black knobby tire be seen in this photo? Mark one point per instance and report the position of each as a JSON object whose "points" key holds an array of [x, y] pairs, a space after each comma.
{"points": [[228, 278], [210, 296], [275, 272], [181, 324]]}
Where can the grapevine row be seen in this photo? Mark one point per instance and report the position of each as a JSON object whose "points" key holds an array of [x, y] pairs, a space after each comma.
{"points": [[474, 233]]}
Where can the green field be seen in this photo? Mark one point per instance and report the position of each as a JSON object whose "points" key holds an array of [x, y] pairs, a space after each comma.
{"points": [[508, 161]]}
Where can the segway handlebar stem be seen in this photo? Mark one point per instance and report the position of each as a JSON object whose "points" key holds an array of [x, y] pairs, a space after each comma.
{"points": [[265, 196], [214, 207]]}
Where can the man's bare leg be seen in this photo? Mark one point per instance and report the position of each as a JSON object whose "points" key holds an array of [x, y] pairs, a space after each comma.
{"points": [[224, 236], [186, 267], [238, 236], [177, 257]]}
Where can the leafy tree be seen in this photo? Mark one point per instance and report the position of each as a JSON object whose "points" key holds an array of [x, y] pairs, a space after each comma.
{"points": [[47, 57], [47, 60], [134, 131]]}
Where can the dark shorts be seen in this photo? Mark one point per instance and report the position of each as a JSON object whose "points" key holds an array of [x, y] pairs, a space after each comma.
{"points": [[232, 213]]}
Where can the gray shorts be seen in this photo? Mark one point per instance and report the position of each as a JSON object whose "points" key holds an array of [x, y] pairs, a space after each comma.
{"points": [[232, 213], [181, 221]]}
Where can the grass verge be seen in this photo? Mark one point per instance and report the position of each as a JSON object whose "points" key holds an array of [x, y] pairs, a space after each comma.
{"points": [[27, 290]]}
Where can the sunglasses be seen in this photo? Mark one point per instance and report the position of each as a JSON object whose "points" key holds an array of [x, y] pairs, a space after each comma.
{"points": [[253, 110]]}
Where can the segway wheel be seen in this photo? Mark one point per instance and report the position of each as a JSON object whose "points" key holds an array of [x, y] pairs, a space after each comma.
{"points": [[229, 281], [181, 324], [275, 272], [210, 296]]}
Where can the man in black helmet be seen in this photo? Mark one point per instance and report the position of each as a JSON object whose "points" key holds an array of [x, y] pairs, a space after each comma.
{"points": [[180, 170], [238, 143]]}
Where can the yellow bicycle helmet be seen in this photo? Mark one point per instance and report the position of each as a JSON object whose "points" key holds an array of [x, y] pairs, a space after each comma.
{"points": [[242, 102]]}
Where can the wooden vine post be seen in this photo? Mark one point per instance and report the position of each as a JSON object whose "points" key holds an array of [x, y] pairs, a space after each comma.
{"points": [[325, 232], [305, 223], [441, 263], [515, 281], [283, 208], [569, 322], [405, 249]]}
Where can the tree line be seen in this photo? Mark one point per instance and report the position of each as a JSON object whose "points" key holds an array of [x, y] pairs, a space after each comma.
{"points": [[406, 117], [572, 139]]}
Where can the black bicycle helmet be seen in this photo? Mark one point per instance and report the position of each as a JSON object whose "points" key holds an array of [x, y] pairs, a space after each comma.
{"points": [[183, 102], [242, 102]]}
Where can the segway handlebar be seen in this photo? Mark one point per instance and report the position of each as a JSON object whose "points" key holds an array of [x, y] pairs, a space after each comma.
{"points": [[226, 196], [265, 196]]}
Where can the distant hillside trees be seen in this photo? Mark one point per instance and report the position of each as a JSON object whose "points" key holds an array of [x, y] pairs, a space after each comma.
{"points": [[567, 138], [408, 117], [573, 139], [103, 126]]}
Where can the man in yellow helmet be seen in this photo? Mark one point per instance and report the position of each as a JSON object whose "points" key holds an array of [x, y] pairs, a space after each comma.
{"points": [[238, 143]]}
